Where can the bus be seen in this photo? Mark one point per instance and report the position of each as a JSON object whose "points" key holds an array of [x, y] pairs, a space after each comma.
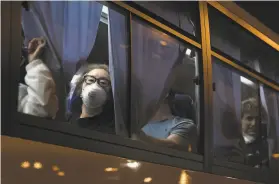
{"points": [[138, 88]]}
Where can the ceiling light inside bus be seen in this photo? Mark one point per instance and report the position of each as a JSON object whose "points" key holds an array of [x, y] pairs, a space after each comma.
{"points": [[246, 81], [188, 52], [105, 10]]}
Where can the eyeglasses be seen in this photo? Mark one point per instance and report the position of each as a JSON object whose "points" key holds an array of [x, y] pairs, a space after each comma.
{"points": [[103, 82]]}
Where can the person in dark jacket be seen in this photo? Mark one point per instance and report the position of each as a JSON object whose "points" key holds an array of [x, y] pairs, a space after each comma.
{"points": [[90, 98]]}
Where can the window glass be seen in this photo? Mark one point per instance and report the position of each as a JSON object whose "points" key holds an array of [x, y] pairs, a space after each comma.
{"points": [[233, 40], [164, 97], [270, 115], [74, 53], [181, 14], [238, 126]]}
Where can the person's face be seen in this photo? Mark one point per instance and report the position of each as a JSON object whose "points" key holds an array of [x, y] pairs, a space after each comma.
{"points": [[99, 76], [250, 124]]}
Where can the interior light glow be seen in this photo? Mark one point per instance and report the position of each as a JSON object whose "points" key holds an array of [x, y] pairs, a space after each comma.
{"points": [[147, 180], [246, 81], [61, 173], [25, 164], [184, 178], [105, 10], [111, 169], [188, 52], [38, 165], [55, 168], [162, 42], [231, 178], [189, 148], [275, 155], [133, 165]]}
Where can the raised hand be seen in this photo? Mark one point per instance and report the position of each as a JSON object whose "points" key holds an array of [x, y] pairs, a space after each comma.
{"points": [[35, 48]]}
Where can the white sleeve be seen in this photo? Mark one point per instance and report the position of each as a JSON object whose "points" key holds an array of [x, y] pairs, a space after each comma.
{"points": [[38, 97]]}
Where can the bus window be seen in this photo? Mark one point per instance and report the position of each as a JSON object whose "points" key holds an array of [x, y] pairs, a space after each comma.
{"points": [[69, 55], [182, 14], [270, 116], [238, 135], [162, 89], [231, 39]]}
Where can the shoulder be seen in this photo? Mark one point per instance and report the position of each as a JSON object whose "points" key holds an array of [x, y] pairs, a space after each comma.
{"points": [[183, 127], [183, 122]]}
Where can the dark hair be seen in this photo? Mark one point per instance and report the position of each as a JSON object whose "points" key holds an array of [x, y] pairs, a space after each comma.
{"points": [[76, 101]]}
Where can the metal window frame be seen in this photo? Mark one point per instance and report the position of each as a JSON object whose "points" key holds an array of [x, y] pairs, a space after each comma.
{"points": [[24, 126]]}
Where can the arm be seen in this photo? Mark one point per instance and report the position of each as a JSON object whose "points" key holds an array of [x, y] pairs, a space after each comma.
{"points": [[38, 97], [183, 136]]}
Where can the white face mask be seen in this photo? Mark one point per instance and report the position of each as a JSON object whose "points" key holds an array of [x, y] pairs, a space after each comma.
{"points": [[93, 97]]}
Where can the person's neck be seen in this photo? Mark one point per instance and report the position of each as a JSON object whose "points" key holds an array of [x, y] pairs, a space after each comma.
{"points": [[90, 112], [163, 113]]}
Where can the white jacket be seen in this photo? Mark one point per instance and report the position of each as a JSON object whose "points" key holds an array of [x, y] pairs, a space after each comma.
{"points": [[38, 96]]}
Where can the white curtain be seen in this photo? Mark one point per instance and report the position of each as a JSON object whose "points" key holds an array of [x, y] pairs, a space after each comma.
{"points": [[118, 66], [226, 105], [154, 57], [70, 29]]}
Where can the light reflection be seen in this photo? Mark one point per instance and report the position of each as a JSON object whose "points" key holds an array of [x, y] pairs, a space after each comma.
{"points": [[164, 43], [189, 148], [55, 168], [132, 164], [61, 173], [184, 178], [147, 180], [110, 169], [231, 178], [38, 165], [246, 81], [275, 155], [25, 164]]}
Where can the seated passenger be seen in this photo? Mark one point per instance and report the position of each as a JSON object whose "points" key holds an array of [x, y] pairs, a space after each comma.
{"points": [[37, 95], [168, 130], [251, 148], [93, 98]]}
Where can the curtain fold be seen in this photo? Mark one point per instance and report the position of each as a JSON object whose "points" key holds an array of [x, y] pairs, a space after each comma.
{"points": [[154, 58], [70, 29], [118, 67], [226, 106]]}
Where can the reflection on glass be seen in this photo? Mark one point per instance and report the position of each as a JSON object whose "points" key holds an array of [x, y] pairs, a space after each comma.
{"points": [[147, 180], [270, 115], [25, 164], [242, 45], [182, 14], [61, 173], [38, 165], [238, 126], [71, 60], [185, 178], [163, 92]]}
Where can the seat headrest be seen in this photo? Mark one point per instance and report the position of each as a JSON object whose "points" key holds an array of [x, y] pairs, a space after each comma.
{"points": [[183, 106]]}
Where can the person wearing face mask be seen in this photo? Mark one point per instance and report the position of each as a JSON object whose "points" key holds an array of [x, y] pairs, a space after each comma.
{"points": [[37, 91], [251, 148], [91, 97]]}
